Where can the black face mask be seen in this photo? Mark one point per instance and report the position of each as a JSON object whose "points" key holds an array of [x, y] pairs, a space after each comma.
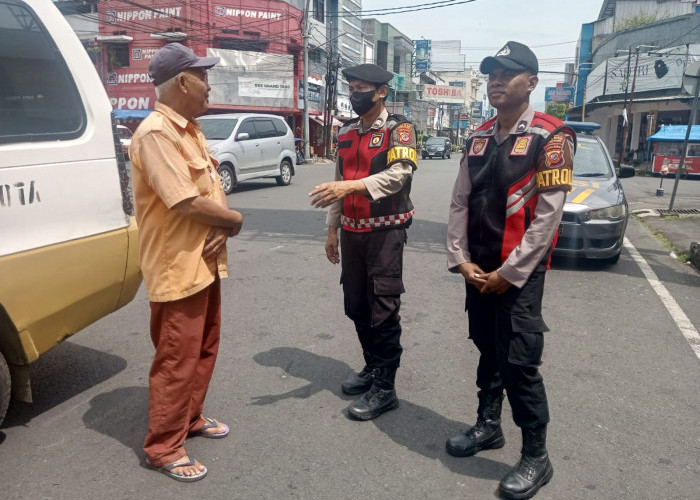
{"points": [[362, 101]]}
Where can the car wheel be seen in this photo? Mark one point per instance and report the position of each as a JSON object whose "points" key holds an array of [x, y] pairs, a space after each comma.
{"points": [[285, 176], [228, 177], [424, 157], [4, 388]]}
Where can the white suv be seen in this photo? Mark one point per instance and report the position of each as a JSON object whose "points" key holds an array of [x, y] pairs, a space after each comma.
{"points": [[250, 146]]}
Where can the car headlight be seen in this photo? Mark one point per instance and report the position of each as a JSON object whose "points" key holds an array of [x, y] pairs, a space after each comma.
{"points": [[615, 212]]}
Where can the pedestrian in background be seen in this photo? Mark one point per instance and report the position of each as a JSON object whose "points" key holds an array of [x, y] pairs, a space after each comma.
{"points": [[369, 200], [184, 222], [506, 206]]}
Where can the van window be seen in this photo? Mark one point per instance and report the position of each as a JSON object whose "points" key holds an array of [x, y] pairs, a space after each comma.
{"points": [[218, 129], [265, 128], [39, 100], [248, 127], [281, 127]]}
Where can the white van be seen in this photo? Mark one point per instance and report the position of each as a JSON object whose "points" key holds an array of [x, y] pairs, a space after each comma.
{"points": [[250, 146], [68, 240]]}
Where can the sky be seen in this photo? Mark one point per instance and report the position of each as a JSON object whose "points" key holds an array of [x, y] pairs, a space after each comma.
{"points": [[550, 28]]}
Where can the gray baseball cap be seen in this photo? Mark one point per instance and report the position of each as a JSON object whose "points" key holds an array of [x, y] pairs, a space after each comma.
{"points": [[173, 59]]}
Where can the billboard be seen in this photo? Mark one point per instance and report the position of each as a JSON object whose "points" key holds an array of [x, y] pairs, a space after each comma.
{"points": [[559, 94], [443, 93], [422, 55], [477, 108]]}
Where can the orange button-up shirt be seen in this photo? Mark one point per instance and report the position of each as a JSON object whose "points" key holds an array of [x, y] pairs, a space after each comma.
{"points": [[170, 163]]}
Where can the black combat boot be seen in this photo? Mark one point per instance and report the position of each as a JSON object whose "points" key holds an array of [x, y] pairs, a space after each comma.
{"points": [[534, 469], [358, 383], [381, 397], [486, 434]]}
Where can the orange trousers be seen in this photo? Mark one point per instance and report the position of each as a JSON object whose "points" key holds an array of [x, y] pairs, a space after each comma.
{"points": [[185, 334]]}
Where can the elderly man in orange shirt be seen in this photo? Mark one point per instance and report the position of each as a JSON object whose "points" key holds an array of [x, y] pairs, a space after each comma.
{"points": [[184, 222]]}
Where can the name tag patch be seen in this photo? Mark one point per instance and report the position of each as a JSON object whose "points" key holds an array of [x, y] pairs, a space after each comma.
{"points": [[521, 146], [478, 147]]}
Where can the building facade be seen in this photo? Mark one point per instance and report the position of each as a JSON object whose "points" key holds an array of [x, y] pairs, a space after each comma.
{"points": [[629, 70], [260, 43]]}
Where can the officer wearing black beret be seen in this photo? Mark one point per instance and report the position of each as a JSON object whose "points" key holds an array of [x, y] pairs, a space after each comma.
{"points": [[369, 200], [506, 206]]}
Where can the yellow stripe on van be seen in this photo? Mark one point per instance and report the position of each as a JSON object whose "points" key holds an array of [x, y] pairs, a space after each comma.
{"points": [[585, 194]]}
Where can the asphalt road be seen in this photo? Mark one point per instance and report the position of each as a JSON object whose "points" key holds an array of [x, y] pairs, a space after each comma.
{"points": [[621, 378]]}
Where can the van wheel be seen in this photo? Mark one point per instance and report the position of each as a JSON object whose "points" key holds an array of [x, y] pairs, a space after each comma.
{"points": [[285, 176], [228, 177], [5, 388]]}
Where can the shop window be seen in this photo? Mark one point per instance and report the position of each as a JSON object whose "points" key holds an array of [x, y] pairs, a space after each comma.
{"points": [[316, 55], [382, 53], [117, 56], [319, 10]]}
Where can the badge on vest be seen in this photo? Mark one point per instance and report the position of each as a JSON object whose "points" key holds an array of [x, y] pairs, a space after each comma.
{"points": [[521, 146], [376, 140], [403, 131], [478, 147]]}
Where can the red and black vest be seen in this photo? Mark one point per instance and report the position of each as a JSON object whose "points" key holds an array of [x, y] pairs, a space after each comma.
{"points": [[361, 155], [504, 190]]}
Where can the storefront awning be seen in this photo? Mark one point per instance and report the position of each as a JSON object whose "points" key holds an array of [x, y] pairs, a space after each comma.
{"points": [[676, 133], [131, 114]]}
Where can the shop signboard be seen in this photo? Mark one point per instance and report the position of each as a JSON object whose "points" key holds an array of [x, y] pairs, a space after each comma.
{"points": [[559, 94], [422, 55], [444, 93]]}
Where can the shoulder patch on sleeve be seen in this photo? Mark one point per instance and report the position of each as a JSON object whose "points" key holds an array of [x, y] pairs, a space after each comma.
{"points": [[403, 133]]}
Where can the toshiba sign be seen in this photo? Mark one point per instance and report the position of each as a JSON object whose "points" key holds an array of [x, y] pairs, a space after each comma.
{"points": [[443, 93]]}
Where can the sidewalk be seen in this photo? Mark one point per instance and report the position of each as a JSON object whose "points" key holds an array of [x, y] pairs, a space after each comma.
{"points": [[681, 227]]}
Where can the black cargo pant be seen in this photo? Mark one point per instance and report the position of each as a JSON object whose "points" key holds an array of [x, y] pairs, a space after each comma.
{"points": [[372, 267], [508, 331]]}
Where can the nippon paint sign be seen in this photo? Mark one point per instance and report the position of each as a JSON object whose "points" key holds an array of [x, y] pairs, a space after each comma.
{"points": [[117, 78], [116, 16], [222, 11], [443, 93], [133, 102]]}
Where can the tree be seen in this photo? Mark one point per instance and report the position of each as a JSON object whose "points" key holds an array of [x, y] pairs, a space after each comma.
{"points": [[557, 109]]}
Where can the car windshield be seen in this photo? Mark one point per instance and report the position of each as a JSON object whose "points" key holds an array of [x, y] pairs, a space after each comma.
{"points": [[591, 160], [433, 141], [218, 129]]}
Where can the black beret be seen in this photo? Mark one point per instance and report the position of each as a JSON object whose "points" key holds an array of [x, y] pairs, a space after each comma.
{"points": [[514, 56], [369, 73]]}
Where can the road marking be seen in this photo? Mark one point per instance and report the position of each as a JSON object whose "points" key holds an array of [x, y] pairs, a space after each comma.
{"points": [[585, 194], [679, 317]]}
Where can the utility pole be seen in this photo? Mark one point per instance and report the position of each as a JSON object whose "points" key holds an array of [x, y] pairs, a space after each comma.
{"points": [[628, 106], [331, 94], [305, 36], [626, 116], [694, 108]]}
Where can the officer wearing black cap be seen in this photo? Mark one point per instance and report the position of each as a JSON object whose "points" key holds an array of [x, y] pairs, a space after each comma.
{"points": [[506, 207], [369, 200]]}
